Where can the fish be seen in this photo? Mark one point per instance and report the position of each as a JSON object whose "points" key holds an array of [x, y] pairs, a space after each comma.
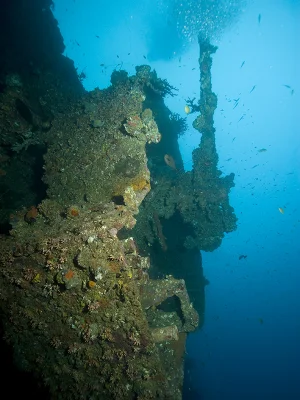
{"points": [[242, 64], [262, 150], [242, 256], [242, 117], [187, 109], [287, 86], [259, 18], [145, 57], [97, 36], [169, 160], [281, 210], [252, 89]]}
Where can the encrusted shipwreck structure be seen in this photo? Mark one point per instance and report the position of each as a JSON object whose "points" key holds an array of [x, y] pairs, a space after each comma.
{"points": [[208, 209], [185, 211], [100, 247], [68, 283]]}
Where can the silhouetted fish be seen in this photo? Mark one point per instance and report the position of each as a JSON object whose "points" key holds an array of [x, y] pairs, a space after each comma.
{"points": [[169, 160], [259, 18]]}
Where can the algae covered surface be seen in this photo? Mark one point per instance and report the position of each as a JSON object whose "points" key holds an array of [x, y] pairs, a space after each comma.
{"points": [[74, 294]]}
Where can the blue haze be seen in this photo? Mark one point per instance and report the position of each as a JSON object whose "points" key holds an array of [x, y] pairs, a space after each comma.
{"points": [[249, 347]]}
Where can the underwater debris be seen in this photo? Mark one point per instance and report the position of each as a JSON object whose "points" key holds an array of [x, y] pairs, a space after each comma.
{"points": [[27, 139], [143, 127], [134, 125], [165, 333], [156, 291]]}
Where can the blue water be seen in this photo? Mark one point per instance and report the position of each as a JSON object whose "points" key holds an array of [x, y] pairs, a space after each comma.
{"points": [[249, 346]]}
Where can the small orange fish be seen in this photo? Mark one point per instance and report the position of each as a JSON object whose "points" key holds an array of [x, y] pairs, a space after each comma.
{"points": [[169, 160], [281, 210]]}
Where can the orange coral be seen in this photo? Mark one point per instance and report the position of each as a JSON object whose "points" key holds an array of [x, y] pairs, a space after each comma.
{"points": [[91, 284], [69, 274], [31, 214], [73, 211]]}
